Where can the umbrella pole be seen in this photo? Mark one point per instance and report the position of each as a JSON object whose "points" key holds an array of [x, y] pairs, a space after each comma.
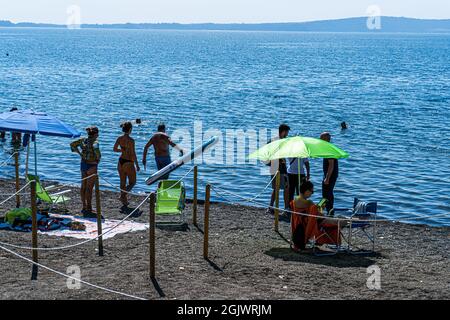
{"points": [[16, 161], [299, 174], [28, 158], [35, 156]]}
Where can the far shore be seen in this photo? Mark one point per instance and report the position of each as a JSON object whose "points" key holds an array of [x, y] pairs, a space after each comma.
{"points": [[248, 260]]}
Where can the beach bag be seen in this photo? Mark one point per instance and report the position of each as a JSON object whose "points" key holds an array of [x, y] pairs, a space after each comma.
{"points": [[22, 214]]}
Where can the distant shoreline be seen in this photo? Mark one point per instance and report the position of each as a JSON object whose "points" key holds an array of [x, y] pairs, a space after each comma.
{"points": [[359, 24]]}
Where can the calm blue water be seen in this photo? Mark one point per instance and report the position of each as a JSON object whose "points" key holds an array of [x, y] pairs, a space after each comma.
{"points": [[392, 90]]}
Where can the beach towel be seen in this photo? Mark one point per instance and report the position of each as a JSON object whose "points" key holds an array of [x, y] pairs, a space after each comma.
{"points": [[91, 228], [62, 226], [20, 220]]}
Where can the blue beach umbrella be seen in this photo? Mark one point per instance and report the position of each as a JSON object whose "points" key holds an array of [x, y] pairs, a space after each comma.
{"points": [[33, 123]]}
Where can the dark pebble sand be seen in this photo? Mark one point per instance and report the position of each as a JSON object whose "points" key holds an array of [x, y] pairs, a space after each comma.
{"points": [[248, 260]]}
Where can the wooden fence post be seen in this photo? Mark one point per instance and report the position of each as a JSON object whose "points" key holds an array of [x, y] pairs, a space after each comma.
{"points": [[152, 235], [277, 201], [16, 157], [99, 216], [194, 205], [34, 235], [206, 223]]}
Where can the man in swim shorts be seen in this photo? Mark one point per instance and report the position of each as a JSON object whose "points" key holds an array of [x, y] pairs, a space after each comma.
{"points": [[330, 176], [280, 164], [161, 142]]}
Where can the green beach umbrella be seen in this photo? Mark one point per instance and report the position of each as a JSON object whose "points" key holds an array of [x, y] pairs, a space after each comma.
{"points": [[298, 147]]}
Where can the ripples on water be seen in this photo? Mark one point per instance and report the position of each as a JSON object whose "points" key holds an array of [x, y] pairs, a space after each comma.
{"points": [[392, 90]]}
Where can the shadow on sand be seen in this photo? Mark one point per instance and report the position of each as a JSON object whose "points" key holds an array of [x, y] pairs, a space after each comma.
{"points": [[157, 287], [214, 265], [128, 210], [340, 260]]}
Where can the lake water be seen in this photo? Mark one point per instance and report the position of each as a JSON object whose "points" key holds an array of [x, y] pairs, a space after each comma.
{"points": [[393, 90]]}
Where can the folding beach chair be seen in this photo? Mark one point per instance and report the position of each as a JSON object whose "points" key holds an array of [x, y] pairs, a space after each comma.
{"points": [[171, 201], [311, 226], [367, 229], [331, 237], [43, 195]]}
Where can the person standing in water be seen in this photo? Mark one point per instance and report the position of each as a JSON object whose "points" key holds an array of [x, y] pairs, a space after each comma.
{"points": [[161, 142], [89, 151], [128, 164], [330, 175]]}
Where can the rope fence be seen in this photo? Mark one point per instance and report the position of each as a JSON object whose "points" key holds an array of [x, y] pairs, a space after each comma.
{"points": [[70, 277], [13, 195], [98, 236], [5, 162], [219, 191]]}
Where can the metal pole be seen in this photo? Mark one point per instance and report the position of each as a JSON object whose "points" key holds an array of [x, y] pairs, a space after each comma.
{"points": [[16, 158], [99, 216], [194, 206], [34, 230], [206, 223], [35, 156], [277, 200], [152, 235], [28, 158], [299, 175]]}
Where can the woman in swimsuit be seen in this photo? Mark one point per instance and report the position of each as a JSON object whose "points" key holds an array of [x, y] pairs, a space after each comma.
{"points": [[90, 158], [128, 164]]}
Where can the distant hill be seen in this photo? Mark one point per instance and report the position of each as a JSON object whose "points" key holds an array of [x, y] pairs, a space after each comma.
{"points": [[388, 24]]}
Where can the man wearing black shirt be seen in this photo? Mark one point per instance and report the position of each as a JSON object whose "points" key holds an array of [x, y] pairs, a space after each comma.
{"points": [[280, 164], [330, 175]]}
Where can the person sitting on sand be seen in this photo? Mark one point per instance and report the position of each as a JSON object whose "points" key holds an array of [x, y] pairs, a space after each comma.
{"points": [[90, 158], [161, 142], [307, 223], [128, 164]]}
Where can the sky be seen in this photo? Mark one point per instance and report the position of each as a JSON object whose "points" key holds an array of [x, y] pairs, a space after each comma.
{"points": [[217, 11]]}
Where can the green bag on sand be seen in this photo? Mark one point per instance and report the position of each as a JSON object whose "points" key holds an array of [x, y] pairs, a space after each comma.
{"points": [[18, 213]]}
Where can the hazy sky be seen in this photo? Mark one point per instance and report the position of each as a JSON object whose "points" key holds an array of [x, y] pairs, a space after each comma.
{"points": [[188, 11]]}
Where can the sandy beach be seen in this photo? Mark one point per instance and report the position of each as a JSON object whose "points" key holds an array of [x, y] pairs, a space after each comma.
{"points": [[248, 260]]}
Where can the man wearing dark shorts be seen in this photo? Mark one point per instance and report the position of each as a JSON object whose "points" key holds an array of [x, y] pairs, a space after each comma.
{"points": [[161, 142], [330, 175], [276, 165]]}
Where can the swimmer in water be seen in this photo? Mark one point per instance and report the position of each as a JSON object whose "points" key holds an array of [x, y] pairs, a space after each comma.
{"points": [[128, 164], [343, 125]]}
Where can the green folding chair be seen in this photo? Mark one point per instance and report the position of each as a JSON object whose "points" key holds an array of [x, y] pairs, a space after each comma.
{"points": [[171, 201], [43, 195]]}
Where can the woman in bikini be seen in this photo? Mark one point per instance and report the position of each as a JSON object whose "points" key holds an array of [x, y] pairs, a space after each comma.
{"points": [[128, 164], [90, 158]]}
